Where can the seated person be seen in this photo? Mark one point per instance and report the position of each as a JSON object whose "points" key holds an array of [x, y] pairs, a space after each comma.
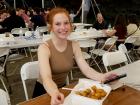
{"points": [[121, 30], [13, 21], [133, 25], [56, 58], [100, 23]]}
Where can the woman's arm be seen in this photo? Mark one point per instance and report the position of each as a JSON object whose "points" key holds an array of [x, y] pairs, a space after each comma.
{"points": [[110, 32], [84, 67], [45, 70], [46, 75]]}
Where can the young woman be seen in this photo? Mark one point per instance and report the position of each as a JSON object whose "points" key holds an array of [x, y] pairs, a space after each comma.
{"points": [[56, 57]]}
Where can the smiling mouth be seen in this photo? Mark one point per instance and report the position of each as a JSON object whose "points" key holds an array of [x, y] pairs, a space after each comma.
{"points": [[63, 32]]}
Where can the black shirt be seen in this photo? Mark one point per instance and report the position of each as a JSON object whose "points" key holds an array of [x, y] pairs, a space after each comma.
{"points": [[100, 26], [13, 22]]}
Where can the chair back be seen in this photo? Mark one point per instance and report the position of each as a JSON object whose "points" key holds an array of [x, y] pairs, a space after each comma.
{"points": [[113, 58], [29, 70], [123, 48], [110, 42], [4, 52], [4, 98], [130, 39]]}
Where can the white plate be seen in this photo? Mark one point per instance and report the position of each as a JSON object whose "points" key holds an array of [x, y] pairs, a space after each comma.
{"points": [[73, 99]]}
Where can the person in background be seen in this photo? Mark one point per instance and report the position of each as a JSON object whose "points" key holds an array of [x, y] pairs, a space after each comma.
{"points": [[13, 21], [3, 15], [133, 25], [133, 29], [46, 11], [56, 57], [72, 15], [26, 18], [121, 29], [100, 23], [37, 19]]}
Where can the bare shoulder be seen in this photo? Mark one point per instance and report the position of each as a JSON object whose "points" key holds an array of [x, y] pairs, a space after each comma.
{"points": [[75, 45], [44, 47]]}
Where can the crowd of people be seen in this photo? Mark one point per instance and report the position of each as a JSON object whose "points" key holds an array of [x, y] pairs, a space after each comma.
{"points": [[123, 27], [21, 17]]}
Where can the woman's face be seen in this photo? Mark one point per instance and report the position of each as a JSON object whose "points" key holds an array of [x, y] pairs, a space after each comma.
{"points": [[61, 25], [100, 18]]}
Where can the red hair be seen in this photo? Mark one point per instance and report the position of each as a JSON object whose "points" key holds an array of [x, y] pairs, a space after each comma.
{"points": [[55, 11]]}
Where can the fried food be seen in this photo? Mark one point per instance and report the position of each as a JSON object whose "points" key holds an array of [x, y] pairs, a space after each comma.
{"points": [[92, 92]]}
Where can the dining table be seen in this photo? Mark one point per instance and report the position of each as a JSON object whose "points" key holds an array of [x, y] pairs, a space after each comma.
{"points": [[124, 95]]}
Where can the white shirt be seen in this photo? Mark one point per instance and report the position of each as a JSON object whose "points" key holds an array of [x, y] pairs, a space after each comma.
{"points": [[86, 5]]}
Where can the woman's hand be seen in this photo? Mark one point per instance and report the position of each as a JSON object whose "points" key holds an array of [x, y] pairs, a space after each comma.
{"points": [[108, 76], [57, 98]]}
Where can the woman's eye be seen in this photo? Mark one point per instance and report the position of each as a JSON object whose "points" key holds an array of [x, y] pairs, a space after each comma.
{"points": [[66, 23], [57, 24]]}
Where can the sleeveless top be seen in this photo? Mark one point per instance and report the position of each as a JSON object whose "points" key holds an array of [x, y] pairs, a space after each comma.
{"points": [[60, 62]]}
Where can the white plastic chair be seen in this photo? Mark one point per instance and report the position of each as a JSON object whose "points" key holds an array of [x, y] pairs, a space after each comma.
{"points": [[123, 48], [131, 40], [4, 98], [19, 31], [87, 43], [114, 58], [3, 52], [30, 70]]}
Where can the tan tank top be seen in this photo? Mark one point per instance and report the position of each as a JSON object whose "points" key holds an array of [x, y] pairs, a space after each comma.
{"points": [[60, 62]]}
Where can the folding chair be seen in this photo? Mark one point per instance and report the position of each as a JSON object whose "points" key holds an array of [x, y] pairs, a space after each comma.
{"points": [[129, 43], [113, 58], [4, 52], [110, 42], [4, 98], [85, 45], [19, 32], [123, 48], [88, 43], [30, 70]]}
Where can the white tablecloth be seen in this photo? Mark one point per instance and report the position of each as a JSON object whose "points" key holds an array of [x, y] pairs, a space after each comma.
{"points": [[133, 74]]}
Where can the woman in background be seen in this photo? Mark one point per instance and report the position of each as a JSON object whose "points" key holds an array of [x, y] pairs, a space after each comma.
{"points": [[121, 29]]}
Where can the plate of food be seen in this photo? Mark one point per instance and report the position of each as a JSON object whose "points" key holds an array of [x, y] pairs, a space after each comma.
{"points": [[88, 92]]}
